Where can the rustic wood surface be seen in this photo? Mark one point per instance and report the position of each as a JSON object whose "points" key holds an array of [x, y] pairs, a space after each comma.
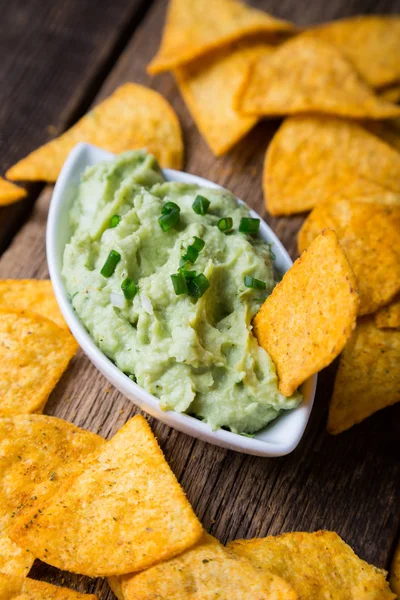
{"points": [[349, 483]]}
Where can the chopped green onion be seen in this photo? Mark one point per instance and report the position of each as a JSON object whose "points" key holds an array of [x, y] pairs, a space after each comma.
{"points": [[114, 221], [255, 284], [188, 274], [198, 285], [129, 288], [272, 253], [168, 207], [183, 262], [201, 205], [198, 244], [191, 254], [169, 219], [249, 225], [179, 283], [109, 266], [225, 224]]}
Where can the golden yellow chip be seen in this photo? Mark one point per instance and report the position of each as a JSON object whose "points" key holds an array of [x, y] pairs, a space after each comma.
{"points": [[208, 570], [306, 321], [306, 75], [209, 87], [391, 94], [368, 377], [388, 317], [10, 193], [36, 453], [371, 43], [370, 235], [35, 295], [132, 117], [194, 28], [34, 353], [21, 588], [318, 565], [395, 572], [311, 159], [124, 513]]}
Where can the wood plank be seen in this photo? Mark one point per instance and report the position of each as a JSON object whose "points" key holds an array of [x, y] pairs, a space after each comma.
{"points": [[348, 483], [54, 56]]}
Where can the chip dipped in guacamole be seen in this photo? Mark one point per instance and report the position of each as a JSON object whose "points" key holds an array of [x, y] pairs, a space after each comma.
{"points": [[167, 277]]}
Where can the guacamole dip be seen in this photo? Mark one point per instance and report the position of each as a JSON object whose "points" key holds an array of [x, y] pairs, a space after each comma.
{"points": [[187, 341]]}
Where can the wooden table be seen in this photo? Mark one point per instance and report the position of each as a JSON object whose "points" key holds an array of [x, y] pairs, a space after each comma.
{"points": [[57, 58]]}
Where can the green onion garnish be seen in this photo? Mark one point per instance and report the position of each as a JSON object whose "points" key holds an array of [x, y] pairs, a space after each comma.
{"points": [[183, 262], [272, 254], [201, 205], [109, 266], [179, 283], [225, 224], [255, 284], [168, 207], [114, 221], [249, 225], [129, 288], [188, 274], [198, 285], [198, 244], [191, 254], [169, 219]]}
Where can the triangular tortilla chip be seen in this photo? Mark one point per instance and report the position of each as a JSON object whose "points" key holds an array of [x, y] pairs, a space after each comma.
{"points": [[395, 571], [371, 43], [306, 321], [132, 117], [208, 570], [209, 87], [311, 159], [21, 588], [391, 94], [388, 317], [36, 453], [34, 353], [370, 235], [35, 295], [10, 193], [319, 566], [124, 513], [368, 378], [196, 27], [305, 75]]}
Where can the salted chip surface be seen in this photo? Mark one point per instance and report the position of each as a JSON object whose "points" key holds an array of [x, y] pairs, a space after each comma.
{"points": [[306, 321], [368, 377], [23, 588], [37, 453], [370, 236], [371, 43], [207, 570], [194, 28], [318, 565], [124, 513], [10, 193], [34, 353], [35, 295], [209, 86], [133, 117], [388, 317], [311, 159], [305, 75], [395, 572]]}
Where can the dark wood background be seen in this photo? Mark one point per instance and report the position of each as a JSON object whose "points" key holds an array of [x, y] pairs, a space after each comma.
{"points": [[57, 58]]}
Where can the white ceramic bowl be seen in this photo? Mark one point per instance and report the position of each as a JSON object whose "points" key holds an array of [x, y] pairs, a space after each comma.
{"points": [[279, 438]]}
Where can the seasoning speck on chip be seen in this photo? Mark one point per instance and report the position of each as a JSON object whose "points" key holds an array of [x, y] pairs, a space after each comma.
{"points": [[18, 588], [10, 193], [306, 321]]}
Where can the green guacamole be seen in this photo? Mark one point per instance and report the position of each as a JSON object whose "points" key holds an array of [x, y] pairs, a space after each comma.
{"points": [[196, 355]]}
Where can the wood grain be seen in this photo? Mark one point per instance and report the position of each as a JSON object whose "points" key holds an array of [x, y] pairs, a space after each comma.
{"points": [[349, 483]]}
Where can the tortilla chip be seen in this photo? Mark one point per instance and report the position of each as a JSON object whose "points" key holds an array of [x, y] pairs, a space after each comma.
{"points": [[10, 193], [208, 570], [388, 317], [318, 565], [306, 321], [311, 159], [21, 588], [306, 75], [395, 572], [194, 28], [209, 87], [125, 512], [371, 43], [35, 295], [34, 353], [368, 378], [388, 131], [36, 453], [132, 117], [370, 235], [391, 94]]}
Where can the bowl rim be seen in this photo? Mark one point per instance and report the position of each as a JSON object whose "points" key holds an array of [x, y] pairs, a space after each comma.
{"points": [[80, 157]]}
